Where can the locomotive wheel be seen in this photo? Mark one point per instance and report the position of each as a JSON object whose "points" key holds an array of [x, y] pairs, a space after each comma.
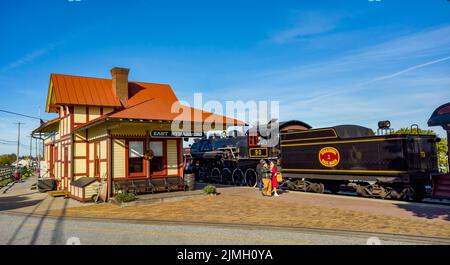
{"points": [[363, 191], [216, 175], [394, 194], [321, 188], [226, 176], [317, 187], [292, 185], [385, 193], [238, 177], [250, 177], [307, 186]]}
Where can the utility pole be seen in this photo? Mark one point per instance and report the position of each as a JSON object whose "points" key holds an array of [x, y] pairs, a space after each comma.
{"points": [[18, 145], [31, 149], [37, 159]]}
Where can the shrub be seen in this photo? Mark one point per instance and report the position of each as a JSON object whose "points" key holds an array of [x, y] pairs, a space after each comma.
{"points": [[24, 172], [125, 197], [210, 189]]}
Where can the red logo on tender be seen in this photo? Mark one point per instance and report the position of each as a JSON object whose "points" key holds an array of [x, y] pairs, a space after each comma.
{"points": [[329, 156]]}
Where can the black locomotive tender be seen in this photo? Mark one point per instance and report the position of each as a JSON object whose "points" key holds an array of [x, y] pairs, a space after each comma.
{"points": [[386, 165]]}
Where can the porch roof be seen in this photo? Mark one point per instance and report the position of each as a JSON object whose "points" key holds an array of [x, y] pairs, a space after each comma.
{"points": [[159, 110], [48, 126]]}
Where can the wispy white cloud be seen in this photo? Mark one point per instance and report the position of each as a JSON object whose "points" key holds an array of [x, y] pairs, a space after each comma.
{"points": [[33, 55], [409, 69], [307, 24]]}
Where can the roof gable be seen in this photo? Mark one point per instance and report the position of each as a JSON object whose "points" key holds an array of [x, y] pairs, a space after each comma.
{"points": [[90, 91]]}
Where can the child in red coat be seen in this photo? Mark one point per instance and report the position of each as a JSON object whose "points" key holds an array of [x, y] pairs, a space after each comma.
{"points": [[273, 169]]}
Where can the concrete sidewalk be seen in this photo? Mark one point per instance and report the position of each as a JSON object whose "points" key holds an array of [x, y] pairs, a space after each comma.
{"points": [[19, 197]]}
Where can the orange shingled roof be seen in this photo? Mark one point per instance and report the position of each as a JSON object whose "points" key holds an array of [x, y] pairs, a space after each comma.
{"points": [[146, 101], [159, 109], [80, 90]]}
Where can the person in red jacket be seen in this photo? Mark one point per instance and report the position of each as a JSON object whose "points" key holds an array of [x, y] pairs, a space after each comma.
{"points": [[273, 169]]}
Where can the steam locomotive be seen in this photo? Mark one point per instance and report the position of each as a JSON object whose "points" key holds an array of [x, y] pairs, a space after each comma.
{"points": [[233, 159], [387, 165]]}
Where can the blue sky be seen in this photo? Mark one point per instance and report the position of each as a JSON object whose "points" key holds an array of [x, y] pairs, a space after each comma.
{"points": [[327, 62]]}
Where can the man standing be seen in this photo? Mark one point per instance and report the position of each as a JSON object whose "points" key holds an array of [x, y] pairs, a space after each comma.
{"points": [[259, 168]]}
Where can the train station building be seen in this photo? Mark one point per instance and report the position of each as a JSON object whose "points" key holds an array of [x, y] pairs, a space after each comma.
{"points": [[115, 133]]}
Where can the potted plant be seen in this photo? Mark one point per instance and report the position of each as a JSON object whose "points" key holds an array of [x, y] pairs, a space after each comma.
{"points": [[210, 190]]}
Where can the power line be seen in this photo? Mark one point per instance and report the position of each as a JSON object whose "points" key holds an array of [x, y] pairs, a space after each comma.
{"points": [[1, 140], [19, 114]]}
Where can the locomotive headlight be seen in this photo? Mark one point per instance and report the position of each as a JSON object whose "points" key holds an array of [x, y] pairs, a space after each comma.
{"points": [[384, 124]]}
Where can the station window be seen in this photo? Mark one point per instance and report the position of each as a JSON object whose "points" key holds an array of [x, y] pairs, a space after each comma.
{"points": [[157, 163], [135, 157]]}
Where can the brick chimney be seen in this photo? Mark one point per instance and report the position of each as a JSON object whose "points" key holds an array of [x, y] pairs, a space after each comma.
{"points": [[120, 83]]}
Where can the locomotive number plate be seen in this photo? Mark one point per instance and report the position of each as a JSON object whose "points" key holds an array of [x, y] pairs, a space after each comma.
{"points": [[258, 152]]}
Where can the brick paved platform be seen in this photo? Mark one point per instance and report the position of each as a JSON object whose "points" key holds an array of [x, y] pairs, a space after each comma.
{"points": [[239, 205]]}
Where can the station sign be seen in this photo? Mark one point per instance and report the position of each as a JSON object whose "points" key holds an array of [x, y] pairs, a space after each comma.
{"points": [[176, 134]]}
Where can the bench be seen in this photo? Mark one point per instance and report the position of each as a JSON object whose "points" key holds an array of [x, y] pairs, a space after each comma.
{"points": [[140, 186]]}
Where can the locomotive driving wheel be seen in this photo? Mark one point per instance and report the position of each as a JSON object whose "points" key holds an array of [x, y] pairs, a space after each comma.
{"points": [[226, 176], [317, 187], [216, 175], [250, 177], [238, 177]]}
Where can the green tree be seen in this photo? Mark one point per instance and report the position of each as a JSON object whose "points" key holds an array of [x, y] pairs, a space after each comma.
{"points": [[7, 159], [442, 147]]}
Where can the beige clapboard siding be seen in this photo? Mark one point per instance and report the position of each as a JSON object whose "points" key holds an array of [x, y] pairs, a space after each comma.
{"points": [[80, 166], [94, 113], [130, 130], [97, 133], [172, 167], [127, 129], [118, 151], [80, 149], [91, 190], [103, 155], [79, 114], [103, 169], [107, 110], [103, 149]]}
